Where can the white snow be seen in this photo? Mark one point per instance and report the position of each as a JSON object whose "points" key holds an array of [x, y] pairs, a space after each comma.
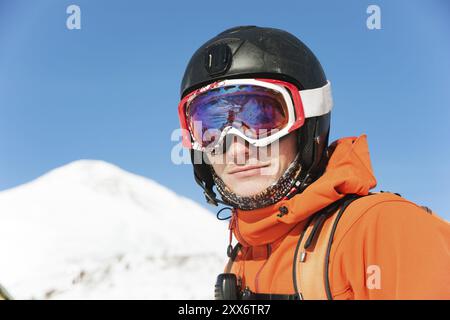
{"points": [[90, 230]]}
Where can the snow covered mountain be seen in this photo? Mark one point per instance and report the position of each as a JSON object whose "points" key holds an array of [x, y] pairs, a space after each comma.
{"points": [[90, 230]]}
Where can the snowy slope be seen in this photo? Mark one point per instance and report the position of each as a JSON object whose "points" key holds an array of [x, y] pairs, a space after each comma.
{"points": [[90, 230]]}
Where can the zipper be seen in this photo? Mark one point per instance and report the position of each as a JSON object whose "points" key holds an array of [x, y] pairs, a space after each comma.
{"points": [[269, 251], [235, 226]]}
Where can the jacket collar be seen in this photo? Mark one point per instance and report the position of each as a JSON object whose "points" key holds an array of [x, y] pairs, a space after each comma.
{"points": [[349, 171]]}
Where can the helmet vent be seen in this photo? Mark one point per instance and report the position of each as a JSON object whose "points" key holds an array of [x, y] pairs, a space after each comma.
{"points": [[218, 59]]}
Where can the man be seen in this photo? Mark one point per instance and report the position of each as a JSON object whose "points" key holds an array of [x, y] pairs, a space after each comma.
{"points": [[306, 223]]}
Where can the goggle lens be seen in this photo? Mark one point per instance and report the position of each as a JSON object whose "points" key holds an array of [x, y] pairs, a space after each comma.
{"points": [[256, 111]]}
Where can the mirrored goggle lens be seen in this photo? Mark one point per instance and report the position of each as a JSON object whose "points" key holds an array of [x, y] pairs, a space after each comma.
{"points": [[255, 110]]}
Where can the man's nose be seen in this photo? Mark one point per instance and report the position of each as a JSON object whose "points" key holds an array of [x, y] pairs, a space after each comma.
{"points": [[239, 150]]}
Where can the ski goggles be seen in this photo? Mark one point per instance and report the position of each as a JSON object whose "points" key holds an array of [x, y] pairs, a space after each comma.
{"points": [[260, 111]]}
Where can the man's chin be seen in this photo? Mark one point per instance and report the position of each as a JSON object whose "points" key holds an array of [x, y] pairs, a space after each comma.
{"points": [[250, 187]]}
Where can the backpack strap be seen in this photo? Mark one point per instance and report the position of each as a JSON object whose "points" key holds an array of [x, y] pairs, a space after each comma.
{"points": [[313, 251]]}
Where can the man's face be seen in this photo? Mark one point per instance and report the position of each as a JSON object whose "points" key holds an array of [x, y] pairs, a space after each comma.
{"points": [[248, 170]]}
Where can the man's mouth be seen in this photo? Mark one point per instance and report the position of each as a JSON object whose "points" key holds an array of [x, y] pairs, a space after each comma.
{"points": [[248, 170]]}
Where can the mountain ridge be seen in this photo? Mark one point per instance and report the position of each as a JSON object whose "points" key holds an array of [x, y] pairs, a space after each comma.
{"points": [[80, 217]]}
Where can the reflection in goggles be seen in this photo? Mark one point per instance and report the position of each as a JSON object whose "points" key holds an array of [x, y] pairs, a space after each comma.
{"points": [[254, 110]]}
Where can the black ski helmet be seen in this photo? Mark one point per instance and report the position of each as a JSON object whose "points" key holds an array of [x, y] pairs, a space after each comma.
{"points": [[251, 51]]}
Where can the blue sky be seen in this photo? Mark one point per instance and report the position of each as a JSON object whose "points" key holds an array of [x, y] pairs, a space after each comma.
{"points": [[110, 90]]}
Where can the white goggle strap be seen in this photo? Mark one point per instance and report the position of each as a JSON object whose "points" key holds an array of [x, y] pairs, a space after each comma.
{"points": [[317, 102]]}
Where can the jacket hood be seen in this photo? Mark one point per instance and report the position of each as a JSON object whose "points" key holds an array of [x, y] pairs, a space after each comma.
{"points": [[349, 171]]}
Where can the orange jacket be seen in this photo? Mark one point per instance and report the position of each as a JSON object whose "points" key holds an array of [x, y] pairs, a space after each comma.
{"points": [[394, 249]]}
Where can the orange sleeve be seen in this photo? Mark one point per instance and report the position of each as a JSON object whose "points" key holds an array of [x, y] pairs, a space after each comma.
{"points": [[396, 250]]}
